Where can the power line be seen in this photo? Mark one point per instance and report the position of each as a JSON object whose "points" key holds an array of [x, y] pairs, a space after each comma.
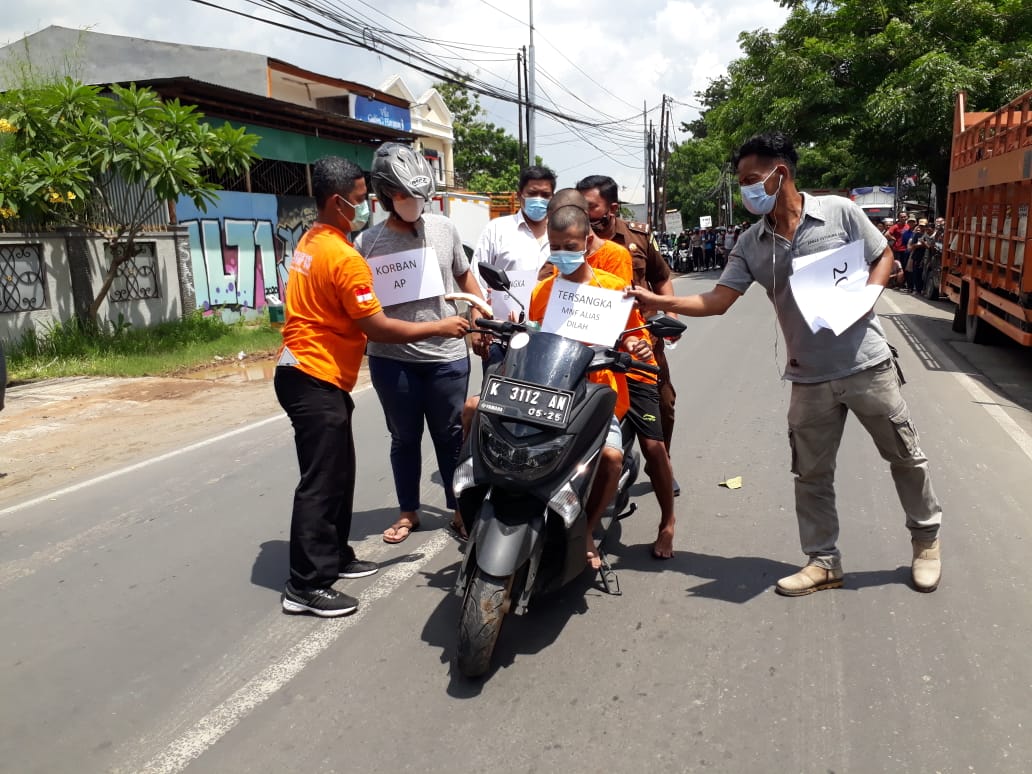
{"points": [[380, 42], [558, 51]]}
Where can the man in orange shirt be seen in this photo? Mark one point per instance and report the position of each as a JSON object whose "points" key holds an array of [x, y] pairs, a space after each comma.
{"points": [[331, 310], [568, 231], [645, 413], [650, 271]]}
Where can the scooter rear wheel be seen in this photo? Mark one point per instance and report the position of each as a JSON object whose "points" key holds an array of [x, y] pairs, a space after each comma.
{"points": [[483, 611]]}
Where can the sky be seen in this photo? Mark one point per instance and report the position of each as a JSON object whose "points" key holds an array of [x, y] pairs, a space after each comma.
{"points": [[601, 61]]}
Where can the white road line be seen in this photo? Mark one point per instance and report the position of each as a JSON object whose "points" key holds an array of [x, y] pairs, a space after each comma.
{"points": [[976, 391], [145, 463], [160, 458], [217, 723]]}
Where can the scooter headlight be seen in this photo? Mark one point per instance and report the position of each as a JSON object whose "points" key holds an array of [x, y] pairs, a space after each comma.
{"points": [[526, 462]]}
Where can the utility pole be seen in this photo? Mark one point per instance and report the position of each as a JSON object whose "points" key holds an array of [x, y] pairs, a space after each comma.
{"points": [[646, 157], [661, 153], [531, 155], [519, 102], [650, 180]]}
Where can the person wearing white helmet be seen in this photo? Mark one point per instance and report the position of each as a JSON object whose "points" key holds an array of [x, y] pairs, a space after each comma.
{"points": [[417, 258]]}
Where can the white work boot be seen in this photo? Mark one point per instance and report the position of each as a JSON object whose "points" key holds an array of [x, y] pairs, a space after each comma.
{"points": [[808, 580], [926, 568]]}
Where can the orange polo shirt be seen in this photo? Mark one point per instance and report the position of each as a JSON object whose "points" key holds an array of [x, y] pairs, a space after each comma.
{"points": [[329, 287], [603, 279]]}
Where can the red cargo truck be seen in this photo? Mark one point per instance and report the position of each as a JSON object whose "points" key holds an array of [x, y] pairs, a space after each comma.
{"points": [[987, 246]]}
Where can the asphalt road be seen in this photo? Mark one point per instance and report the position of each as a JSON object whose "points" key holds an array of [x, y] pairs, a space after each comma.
{"points": [[142, 631]]}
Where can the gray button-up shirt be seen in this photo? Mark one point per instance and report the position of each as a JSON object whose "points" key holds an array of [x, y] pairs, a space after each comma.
{"points": [[762, 256]]}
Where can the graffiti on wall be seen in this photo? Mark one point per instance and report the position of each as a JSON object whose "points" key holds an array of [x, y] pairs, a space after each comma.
{"points": [[237, 247]]}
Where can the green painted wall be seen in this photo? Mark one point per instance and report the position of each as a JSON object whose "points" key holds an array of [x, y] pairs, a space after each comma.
{"points": [[304, 149]]}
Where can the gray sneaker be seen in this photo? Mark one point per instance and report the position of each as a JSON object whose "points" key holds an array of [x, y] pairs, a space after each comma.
{"points": [[325, 603], [356, 568]]}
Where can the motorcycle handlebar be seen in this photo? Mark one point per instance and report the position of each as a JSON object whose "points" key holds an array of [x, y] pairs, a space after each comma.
{"points": [[640, 365], [504, 327]]}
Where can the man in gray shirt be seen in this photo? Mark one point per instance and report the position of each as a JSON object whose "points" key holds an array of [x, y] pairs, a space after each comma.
{"points": [[830, 374]]}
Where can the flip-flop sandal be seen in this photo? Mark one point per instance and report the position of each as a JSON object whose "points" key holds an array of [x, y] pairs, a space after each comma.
{"points": [[409, 529], [458, 529], [610, 580]]}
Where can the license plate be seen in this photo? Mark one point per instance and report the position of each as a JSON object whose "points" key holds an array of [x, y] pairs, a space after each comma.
{"points": [[526, 402]]}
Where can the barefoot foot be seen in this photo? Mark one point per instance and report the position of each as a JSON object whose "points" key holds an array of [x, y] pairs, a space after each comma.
{"points": [[663, 548]]}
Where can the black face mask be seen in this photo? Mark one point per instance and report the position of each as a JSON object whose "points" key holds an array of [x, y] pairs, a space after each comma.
{"points": [[602, 224]]}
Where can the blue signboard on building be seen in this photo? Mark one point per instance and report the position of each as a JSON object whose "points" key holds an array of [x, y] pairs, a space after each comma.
{"points": [[375, 112]]}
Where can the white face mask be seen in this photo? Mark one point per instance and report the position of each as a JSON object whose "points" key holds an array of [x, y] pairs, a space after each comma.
{"points": [[409, 210]]}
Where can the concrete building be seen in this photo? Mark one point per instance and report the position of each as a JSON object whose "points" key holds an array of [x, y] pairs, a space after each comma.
{"points": [[432, 124], [235, 249]]}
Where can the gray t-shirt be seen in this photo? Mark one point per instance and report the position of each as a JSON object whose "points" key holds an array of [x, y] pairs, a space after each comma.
{"points": [[761, 256], [434, 231]]}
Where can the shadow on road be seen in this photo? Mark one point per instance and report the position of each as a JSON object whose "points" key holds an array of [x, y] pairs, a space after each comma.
{"points": [[271, 567], [869, 578], [734, 579], [372, 523], [1003, 363], [520, 635]]}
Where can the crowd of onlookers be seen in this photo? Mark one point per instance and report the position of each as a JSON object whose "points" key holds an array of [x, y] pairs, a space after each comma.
{"points": [[700, 249], [913, 241]]}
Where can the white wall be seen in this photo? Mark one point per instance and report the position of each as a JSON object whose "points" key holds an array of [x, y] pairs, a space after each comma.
{"points": [[58, 302]]}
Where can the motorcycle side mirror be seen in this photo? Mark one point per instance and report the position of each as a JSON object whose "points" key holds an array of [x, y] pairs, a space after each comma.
{"points": [[665, 327], [495, 278]]}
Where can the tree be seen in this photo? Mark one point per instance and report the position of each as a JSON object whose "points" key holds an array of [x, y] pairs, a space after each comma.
{"points": [[66, 146], [866, 88], [486, 156]]}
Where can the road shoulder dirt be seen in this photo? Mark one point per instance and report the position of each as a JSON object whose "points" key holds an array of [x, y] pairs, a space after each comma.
{"points": [[62, 431]]}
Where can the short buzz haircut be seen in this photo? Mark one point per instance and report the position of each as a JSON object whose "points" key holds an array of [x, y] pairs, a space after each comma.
{"points": [[332, 175], [776, 146], [566, 197], [570, 216], [536, 173], [606, 186]]}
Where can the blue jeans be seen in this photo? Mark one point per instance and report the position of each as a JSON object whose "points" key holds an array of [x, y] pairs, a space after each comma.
{"points": [[410, 394]]}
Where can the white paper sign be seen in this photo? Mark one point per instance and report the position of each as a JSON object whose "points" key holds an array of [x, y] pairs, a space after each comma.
{"points": [[586, 314], [410, 275], [830, 287], [521, 286]]}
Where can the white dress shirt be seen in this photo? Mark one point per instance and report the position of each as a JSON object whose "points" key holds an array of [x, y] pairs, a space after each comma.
{"points": [[509, 244]]}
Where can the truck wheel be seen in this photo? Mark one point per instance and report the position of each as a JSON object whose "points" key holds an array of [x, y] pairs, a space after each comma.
{"points": [[977, 330], [931, 288], [959, 319], [483, 611], [960, 313]]}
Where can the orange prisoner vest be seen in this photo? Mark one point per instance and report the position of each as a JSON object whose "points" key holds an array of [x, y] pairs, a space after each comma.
{"points": [[329, 287], [538, 305]]}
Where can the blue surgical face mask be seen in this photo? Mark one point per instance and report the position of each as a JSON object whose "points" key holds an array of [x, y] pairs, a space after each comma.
{"points": [[535, 208], [756, 199], [567, 261]]}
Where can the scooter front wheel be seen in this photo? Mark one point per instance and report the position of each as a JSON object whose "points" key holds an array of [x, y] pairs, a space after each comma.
{"points": [[483, 611]]}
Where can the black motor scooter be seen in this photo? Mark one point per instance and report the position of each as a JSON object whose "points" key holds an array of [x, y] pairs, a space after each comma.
{"points": [[526, 470]]}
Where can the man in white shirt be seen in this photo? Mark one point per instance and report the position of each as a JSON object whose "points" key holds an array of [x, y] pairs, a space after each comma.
{"points": [[518, 243]]}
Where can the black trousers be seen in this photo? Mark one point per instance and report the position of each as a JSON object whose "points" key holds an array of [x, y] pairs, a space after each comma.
{"points": [[321, 522]]}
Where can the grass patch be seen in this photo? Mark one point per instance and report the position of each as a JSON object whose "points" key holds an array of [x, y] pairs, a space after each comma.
{"points": [[74, 349]]}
